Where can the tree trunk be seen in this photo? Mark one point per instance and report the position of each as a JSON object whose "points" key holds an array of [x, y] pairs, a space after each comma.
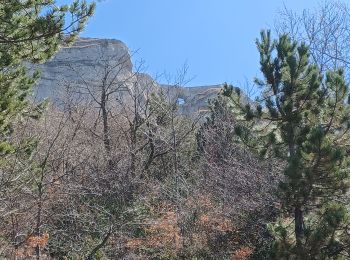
{"points": [[299, 230], [38, 224], [298, 213], [100, 245], [106, 137]]}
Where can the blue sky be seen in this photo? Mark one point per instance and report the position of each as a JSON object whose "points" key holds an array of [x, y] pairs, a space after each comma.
{"points": [[214, 38]]}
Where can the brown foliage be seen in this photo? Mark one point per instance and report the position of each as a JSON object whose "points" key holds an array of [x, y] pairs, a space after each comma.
{"points": [[161, 233], [242, 253]]}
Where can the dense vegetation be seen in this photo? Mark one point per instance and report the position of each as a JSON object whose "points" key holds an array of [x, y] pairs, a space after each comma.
{"points": [[105, 175]]}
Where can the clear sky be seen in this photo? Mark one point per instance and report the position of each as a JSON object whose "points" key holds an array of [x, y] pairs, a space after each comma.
{"points": [[215, 38]]}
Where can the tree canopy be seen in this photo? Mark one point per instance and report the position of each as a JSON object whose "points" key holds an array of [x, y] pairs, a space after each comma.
{"points": [[302, 119], [31, 31]]}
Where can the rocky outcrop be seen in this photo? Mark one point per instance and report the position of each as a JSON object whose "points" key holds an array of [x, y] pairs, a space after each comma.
{"points": [[81, 63], [193, 100], [89, 60]]}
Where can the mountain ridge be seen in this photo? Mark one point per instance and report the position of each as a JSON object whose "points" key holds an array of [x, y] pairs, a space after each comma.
{"points": [[82, 61]]}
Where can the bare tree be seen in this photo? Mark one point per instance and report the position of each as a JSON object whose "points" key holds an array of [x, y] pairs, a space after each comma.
{"points": [[244, 184], [325, 30]]}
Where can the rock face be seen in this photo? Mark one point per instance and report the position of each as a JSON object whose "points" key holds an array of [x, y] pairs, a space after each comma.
{"points": [[87, 62], [81, 62], [193, 100]]}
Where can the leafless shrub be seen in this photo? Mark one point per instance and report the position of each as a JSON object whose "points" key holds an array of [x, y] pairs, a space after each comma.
{"points": [[325, 30]]}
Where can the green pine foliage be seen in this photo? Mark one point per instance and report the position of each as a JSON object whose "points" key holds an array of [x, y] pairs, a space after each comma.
{"points": [[302, 119], [30, 31]]}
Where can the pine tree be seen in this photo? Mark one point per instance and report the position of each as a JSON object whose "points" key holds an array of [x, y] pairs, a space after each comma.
{"points": [[30, 31], [302, 119]]}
